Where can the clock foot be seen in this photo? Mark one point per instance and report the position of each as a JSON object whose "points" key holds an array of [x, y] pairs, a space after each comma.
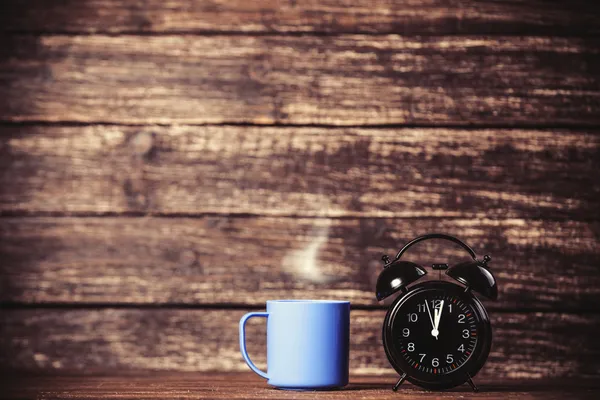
{"points": [[473, 386], [402, 378]]}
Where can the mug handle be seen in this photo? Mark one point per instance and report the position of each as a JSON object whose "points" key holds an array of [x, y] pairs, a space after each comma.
{"points": [[243, 341]]}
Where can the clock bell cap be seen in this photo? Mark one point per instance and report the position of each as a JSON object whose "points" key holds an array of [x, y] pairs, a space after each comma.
{"points": [[396, 276], [476, 276]]}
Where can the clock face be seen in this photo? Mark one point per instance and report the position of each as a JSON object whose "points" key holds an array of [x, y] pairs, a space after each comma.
{"points": [[437, 334]]}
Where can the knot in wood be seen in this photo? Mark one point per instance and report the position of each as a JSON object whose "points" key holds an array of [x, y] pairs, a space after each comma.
{"points": [[187, 258]]}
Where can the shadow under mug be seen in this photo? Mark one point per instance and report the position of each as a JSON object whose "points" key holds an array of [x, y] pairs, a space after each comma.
{"points": [[307, 343]]}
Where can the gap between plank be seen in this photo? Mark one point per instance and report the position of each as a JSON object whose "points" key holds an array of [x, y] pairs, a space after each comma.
{"points": [[242, 215], [316, 33], [11, 305], [469, 127]]}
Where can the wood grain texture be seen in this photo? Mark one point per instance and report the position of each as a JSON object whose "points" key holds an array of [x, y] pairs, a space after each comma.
{"points": [[224, 260], [532, 346], [335, 16], [342, 80], [344, 172], [246, 385]]}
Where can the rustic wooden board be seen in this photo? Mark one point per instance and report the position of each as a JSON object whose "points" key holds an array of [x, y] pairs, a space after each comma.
{"points": [[224, 260], [341, 80], [340, 172], [533, 346], [396, 16], [246, 385]]}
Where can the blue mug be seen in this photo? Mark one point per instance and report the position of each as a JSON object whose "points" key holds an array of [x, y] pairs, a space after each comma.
{"points": [[307, 343]]}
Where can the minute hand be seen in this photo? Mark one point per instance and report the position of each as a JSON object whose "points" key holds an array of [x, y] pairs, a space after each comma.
{"points": [[438, 315], [433, 330]]}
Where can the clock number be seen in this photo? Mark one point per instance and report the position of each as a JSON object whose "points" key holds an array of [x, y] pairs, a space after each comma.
{"points": [[465, 333], [435, 362], [422, 357], [435, 303], [461, 348], [411, 347], [450, 307], [405, 332], [421, 307], [412, 317], [449, 358], [461, 319]]}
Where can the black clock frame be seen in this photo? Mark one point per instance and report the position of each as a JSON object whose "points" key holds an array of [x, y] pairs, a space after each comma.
{"points": [[468, 369], [475, 274]]}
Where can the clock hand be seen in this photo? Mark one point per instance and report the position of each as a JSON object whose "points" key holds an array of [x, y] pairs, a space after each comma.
{"points": [[437, 316], [434, 331], [429, 312]]}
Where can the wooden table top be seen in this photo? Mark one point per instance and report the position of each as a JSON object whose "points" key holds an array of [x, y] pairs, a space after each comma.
{"points": [[198, 385]]}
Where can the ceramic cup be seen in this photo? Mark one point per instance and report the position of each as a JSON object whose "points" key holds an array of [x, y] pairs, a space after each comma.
{"points": [[307, 343]]}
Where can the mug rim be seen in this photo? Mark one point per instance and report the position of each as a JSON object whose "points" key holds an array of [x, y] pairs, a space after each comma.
{"points": [[308, 301]]}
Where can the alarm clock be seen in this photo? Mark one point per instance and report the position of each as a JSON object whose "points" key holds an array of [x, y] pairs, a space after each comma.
{"points": [[437, 334]]}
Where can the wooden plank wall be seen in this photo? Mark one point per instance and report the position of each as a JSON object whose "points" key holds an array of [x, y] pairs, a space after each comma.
{"points": [[166, 166]]}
